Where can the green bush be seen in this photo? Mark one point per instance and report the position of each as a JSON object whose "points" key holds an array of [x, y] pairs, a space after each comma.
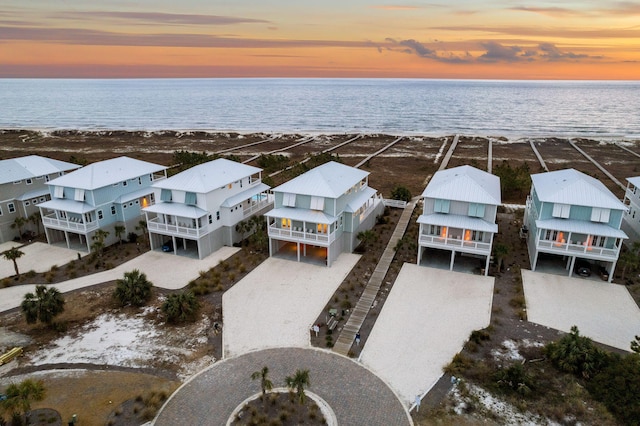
{"points": [[180, 307], [515, 378], [400, 192], [577, 355]]}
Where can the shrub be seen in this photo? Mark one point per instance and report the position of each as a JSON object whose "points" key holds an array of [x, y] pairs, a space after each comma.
{"points": [[134, 289], [515, 378], [180, 307], [577, 355], [402, 193], [478, 336], [132, 237]]}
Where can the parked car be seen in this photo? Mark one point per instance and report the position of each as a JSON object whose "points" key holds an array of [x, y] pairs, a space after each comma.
{"points": [[582, 268], [604, 274], [167, 247]]}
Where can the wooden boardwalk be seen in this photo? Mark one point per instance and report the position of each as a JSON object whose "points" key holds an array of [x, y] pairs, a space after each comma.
{"points": [[447, 157], [245, 145], [298, 143], [535, 151], [595, 163], [490, 156], [348, 334], [628, 150], [380, 151]]}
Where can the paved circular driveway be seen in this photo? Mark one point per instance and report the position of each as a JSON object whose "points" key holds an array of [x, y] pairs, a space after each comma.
{"points": [[357, 396]]}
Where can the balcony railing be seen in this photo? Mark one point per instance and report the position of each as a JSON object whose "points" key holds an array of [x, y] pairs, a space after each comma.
{"points": [[448, 243], [301, 236], [249, 211], [69, 225], [572, 249], [176, 230]]}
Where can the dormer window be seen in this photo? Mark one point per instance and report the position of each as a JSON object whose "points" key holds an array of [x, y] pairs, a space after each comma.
{"points": [[476, 210], [79, 195], [317, 203], [58, 192], [190, 198], [289, 200], [600, 215], [165, 195]]}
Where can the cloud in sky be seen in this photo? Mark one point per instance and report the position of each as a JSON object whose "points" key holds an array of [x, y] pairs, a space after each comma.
{"points": [[160, 18], [554, 12]]}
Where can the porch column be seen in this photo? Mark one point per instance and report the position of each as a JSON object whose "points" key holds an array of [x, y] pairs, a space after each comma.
{"points": [[298, 250], [453, 257], [88, 241], [304, 247], [175, 246], [419, 253], [46, 233], [486, 266], [66, 238], [329, 255], [535, 261], [270, 247], [199, 250], [573, 263], [613, 269]]}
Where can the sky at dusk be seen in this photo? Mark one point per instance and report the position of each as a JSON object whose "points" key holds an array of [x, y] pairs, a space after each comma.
{"points": [[498, 39]]}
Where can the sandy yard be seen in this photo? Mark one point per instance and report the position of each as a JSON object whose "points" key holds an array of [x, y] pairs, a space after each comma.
{"points": [[604, 312], [277, 303], [425, 321], [38, 257]]}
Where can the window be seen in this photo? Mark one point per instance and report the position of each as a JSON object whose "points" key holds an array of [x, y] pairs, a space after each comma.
{"points": [[210, 219], [0, 210], [42, 199], [217, 215], [441, 206], [190, 198], [11, 207], [137, 201], [29, 181], [152, 197], [289, 200], [600, 215], [434, 230], [124, 206], [58, 192], [476, 210], [140, 180], [130, 203], [317, 203], [47, 178], [113, 210], [27, 203], [477, 235], [39, 177], [550, 235], [561, 210], [125, 183], [165, 195], [17, 182], [100, 215], [34, 201], [79, 195]]}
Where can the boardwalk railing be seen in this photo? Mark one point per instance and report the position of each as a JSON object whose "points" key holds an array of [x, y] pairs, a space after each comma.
{"points": [[399, 204]]}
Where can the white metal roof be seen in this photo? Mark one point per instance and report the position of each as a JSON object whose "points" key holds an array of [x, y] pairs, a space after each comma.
{"points": [[206, 177], [327, 180], [360, 198], [458, 221], [31, 166], [572, 187], [143, 192], [635, 181], [305, 215], [107, 172], [67, 205], [244, 195], [33, 194], [581, 227], [177, 209], [464, 183]]}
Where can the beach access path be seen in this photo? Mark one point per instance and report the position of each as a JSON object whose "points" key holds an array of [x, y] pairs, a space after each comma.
{"points": [[164, 270], [276, 304], [426, 319]]}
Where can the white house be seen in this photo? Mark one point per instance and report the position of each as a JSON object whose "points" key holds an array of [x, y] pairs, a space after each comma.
{"points": [[460, 208], [631, 218], [574, 216], [23, 186], [199, 208], [101, 195], [324, 208]]}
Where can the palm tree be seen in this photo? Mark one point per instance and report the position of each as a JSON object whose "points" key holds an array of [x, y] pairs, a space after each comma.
{"points": [[36, 219], [18, 223], [134, 289], [98, 241], [19, 396], [142, 226], [44, 305], [180, 307], [628, 260], [298, 382], [265, 384], [13, 254], [259, 238], [500, 251], [243, 227], [366, 237], [118, 231]]}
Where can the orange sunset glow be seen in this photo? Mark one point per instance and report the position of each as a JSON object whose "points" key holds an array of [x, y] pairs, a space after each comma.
{"points": [[462, 39]]}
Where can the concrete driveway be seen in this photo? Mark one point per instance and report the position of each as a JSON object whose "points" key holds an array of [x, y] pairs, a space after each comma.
{"points": [[604, 312], [276, 304], [427, 318], [39, 257], [162, 269]]}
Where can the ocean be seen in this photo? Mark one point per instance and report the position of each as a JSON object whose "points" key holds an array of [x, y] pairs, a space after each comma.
{"points": [[590, 109]]}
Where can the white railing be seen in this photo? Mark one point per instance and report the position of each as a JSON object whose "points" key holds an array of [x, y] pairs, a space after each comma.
{"points": [[394, 203], [68, 225], [246, 212], [371, 207], [301, 236], [469, 246], [177, 230], [567, 248]]}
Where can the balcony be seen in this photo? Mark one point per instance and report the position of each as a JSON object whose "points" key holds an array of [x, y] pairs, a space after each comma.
{"points": [[306, 236], [581, 249], [179, 230], [257, 206], [50, 221], [436, 241]]}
